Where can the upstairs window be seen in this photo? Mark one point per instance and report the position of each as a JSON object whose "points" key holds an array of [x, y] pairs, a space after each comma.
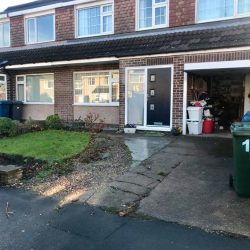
{"points": [[40, 29], [5, 34], [152, 14], [95, 20], [209, 10]]}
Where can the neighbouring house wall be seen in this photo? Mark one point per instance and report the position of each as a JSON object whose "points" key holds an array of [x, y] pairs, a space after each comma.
{"points": [[110, 115], [37, 112]]}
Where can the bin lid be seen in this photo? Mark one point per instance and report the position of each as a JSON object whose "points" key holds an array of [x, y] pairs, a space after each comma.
{"points": [[5, 102], [17, 102], [241, 129]]}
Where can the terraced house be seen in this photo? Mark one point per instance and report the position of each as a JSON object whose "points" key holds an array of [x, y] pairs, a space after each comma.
{"points": [[131, 61]]}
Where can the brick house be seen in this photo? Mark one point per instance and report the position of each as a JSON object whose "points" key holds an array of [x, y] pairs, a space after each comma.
{"points": [[131, 61]]}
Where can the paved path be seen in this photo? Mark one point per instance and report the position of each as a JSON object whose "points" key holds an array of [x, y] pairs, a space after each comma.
{"points": [[36, 224]]}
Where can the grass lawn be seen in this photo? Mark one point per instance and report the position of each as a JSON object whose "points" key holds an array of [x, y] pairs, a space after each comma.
{"points": [[49, 145]]}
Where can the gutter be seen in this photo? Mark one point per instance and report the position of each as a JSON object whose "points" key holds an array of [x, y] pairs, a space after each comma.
{"points": [[63, 63]]}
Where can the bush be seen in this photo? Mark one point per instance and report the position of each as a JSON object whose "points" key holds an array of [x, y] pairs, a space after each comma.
{"points": [[54, 122], [93, 122], [8, 127]]}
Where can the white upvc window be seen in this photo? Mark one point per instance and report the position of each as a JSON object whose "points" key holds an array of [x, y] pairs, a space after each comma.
{"points": [[40, 28], [97, 88], [3, 87], [35, 89], [213, 10], [152, 14], [94, 20], [4, 34]]}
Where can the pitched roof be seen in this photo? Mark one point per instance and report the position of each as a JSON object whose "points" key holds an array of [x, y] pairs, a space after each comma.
{"points": [[232, 33]]}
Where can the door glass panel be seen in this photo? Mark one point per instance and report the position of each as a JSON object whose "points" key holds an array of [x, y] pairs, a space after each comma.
{"points": [[135, 97], [20, 92]]}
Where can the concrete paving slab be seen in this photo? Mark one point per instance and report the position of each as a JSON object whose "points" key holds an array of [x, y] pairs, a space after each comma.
{"points": [[142, 147], [137, 179], [131, 188], [112, 198]]}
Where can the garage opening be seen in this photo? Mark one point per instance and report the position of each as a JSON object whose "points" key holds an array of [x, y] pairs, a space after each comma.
{"points": [[224, 95]]}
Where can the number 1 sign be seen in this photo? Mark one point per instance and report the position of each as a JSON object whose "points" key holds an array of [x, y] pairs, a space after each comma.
{"points": [[246, 144]]}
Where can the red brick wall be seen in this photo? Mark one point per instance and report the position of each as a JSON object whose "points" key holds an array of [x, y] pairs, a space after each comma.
{"points": [[182, 12], [65, 23], [124, 16], [17, 31]]}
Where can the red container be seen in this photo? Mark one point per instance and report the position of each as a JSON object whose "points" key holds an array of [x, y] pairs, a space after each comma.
{"points": [[208, 126]]}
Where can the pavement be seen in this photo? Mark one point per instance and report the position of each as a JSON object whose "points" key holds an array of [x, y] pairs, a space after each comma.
{"points": [[37, 224]]}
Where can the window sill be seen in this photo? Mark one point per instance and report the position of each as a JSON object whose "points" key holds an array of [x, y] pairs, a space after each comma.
{"points": [[223, 19], [95, 35], [153, 27], [97, 104], [50, 41], [38, 103]]}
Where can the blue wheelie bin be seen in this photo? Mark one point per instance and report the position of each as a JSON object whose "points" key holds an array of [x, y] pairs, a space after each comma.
{"points": [[5, 108]]}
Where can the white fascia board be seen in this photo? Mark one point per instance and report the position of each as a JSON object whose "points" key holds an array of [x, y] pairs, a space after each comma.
{"points": [[48, 7], [217, 65], [63, 63]]}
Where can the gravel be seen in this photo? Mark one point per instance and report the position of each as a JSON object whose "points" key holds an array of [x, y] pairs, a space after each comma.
{"points": [[106, 158]]}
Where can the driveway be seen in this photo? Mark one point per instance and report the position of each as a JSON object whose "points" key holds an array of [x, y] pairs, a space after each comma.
{"points": [[197, 192], [37, 224]]}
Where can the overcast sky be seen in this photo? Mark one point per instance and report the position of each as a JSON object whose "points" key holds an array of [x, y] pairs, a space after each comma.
{"points": [[7, 3]]}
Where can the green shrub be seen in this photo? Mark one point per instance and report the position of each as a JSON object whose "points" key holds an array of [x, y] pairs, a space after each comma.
{"points": [[8, 127], [54, 122]]}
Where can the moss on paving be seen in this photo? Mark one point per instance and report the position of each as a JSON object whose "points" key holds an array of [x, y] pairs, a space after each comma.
{"points": [[49, 145]]}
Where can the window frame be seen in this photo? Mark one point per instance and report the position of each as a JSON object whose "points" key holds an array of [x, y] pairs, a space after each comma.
{"points": [[91, 5], [24, 83], [154, 6], [34, 17], [5, 83], [1, 30], [235, 15], [108, 104]]}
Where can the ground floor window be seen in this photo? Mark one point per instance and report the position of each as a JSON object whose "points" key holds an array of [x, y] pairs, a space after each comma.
{"points": [[3, 87], [96, 87], [36, 88]]}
